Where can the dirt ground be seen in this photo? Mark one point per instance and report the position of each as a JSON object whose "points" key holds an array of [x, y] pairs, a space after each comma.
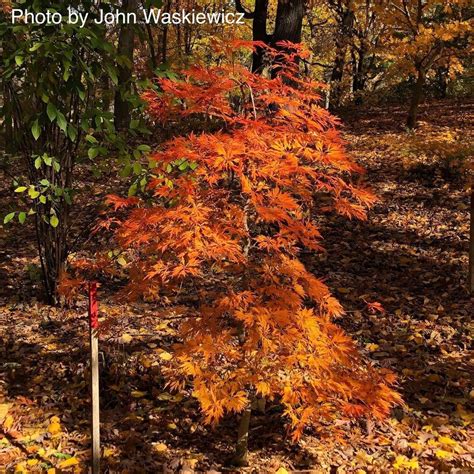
{"points": [[410, 256]]}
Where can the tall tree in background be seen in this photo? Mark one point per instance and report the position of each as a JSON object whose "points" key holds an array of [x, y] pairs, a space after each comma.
{"points": [[259, 17], [289, 21], [367, 30], [344, 13], [288, 25], [125, 49], [424, 33]]}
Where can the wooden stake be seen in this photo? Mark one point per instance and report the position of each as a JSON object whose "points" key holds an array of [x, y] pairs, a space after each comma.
{"points": [[94, 347]]}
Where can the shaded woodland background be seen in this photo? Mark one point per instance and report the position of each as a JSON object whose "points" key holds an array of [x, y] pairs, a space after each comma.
{"points": [[75, 128]]}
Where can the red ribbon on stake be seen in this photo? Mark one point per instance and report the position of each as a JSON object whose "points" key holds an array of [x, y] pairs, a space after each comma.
{"points": [[93, 306]]}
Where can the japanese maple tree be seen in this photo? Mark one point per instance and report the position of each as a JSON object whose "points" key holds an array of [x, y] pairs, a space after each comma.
{"points": [[224, 218]]}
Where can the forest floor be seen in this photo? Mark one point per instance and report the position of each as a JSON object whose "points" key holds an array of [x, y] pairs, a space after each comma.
{"points": [[410, 256]]}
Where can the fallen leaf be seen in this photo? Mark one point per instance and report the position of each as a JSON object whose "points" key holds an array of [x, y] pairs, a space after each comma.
{"points": [[8, 423], [138, 394], [68, 463], [166, 355], [403, 463], [160, 447], [4, 407], [442, 454]]}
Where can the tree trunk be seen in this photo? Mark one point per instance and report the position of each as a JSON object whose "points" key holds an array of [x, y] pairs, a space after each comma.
{"points": [[289, 21], [122, 108], [442, 81], [242, 448], [259, 33], [288, 27], [359, 72], [151, 47], [342, 40], [415, 100], [336, 77], [471, 246], [10, 143]]}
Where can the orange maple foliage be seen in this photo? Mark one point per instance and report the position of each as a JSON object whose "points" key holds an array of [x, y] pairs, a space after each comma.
{"points": [[224, 218]]}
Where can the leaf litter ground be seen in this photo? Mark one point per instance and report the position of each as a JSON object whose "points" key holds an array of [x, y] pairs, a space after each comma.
{"points": [[410, 259]]}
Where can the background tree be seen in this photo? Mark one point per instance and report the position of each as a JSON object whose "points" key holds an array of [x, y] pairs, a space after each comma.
{"points": [[259, 17], [50, 75], [423, 33], [125, 50]]}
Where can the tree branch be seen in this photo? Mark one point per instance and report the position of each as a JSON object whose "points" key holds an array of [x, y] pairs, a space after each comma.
{"points": [[240, 9]]}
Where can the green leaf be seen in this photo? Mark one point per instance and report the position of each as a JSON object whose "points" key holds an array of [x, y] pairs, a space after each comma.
{"points": [[21, 217], [35, 129], [72, 132], [21, 189], [126, 171], [144, 148], [38, 162], [67, 197], [33, 193], [137, 168], [48, 161], [19, 60], [42, 199], [112, 74], [67, 71], [61, 119], [54, 221], [92, 153], [51, 111], [132, 190], [91, 139], [35, 47], [8, 217]]}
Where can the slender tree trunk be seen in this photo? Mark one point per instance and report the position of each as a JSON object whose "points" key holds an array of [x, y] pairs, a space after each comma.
{"points": [[164, 44], [241, 449], [359, 72], [52, 247], [415, 100], [151, 47], [122, 108], [342, 40], [8, 123], [336, 77], [442, 80], [471, 246]]}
